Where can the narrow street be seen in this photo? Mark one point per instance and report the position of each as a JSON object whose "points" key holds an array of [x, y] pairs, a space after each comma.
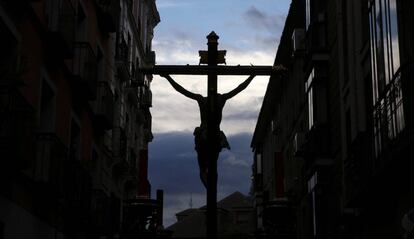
{"points": [[220, 119]]}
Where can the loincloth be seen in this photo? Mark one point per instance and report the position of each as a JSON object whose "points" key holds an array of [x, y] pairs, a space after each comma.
{"points": [[200, 139]]}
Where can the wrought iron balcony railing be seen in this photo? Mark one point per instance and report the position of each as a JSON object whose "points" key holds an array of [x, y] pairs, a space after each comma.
{"points": [[121, 60], [103, 106], [17, 6], [50, 154], [61, 26], [145, 97], [77, 184], [356, 168], [121, 51], [16, 129], [85, 69], [108, 15], [316, 36], [150, 58], [136, 80], [388, 117]]}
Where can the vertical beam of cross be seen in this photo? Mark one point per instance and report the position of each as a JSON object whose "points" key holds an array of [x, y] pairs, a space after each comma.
{"points": [[212, 58], [212, 138]]}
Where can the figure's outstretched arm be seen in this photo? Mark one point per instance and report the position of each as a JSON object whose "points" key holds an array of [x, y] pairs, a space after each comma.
{"points": [[239, 88], [180, 89]]}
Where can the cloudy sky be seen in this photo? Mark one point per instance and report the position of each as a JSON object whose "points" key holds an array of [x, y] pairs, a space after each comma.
{"points": [[249, 30]]}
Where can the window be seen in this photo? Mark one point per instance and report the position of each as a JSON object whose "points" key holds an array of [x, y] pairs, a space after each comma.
{"points": [[132, 159], [386, 79], [9, 57], [312, 183], [46, 162], [348, 131], [129, 56], [259, 163], [74, 141], [81, 30], [95, 160], [121, 111], [385, 50], [47, 108], [308, 13], [309, 91], [101, 65], [279, 175], [108, 140]]}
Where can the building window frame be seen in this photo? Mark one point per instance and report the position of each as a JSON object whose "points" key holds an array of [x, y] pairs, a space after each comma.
{"points": [[308, 14], [82, 23], [387, 95], [309, 91], [47, 90], [75, 138]]}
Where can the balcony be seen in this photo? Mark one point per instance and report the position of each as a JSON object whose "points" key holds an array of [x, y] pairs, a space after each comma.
{"points": [[85, 70], [357, 169], [16, 7], [279, 219], [148, 136], [103, 106], [150, 58], [316, 143], [132, 94], [108, 15], [50, 154], [389, 121], [141, 217], [145, 97], [119, 138], [316, 149], [316, 40], [122, 62], [16, 129], [101, 209], [16, 2], [61, 27], [77, 185], [148, 119], [258, 182], [137, 80]]}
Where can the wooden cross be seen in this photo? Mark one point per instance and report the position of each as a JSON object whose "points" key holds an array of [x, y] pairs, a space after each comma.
{"points": [[211, 58]]}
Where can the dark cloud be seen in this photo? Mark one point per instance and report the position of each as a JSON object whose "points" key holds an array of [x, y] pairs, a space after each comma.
{"points": [[268, 42], [259, 19], [173, 168], [235, 165], [173, 163], [241, 116], [182, 35]]}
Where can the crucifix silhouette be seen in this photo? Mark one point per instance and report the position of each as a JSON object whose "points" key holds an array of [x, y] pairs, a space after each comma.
{"points": [[209, 139]]}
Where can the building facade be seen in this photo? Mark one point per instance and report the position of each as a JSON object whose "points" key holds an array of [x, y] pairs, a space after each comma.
{"points": [[331, 145], [75, 115]]}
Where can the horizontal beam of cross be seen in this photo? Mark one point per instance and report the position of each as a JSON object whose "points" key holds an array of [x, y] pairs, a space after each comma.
{"points": [[205, 70]]}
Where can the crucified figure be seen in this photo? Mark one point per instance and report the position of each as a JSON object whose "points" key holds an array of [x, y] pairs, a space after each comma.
{"points": [[200, 133]]}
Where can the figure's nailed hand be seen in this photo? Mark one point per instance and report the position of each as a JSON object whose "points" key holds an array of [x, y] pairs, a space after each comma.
{"points": [[280, 68]]}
